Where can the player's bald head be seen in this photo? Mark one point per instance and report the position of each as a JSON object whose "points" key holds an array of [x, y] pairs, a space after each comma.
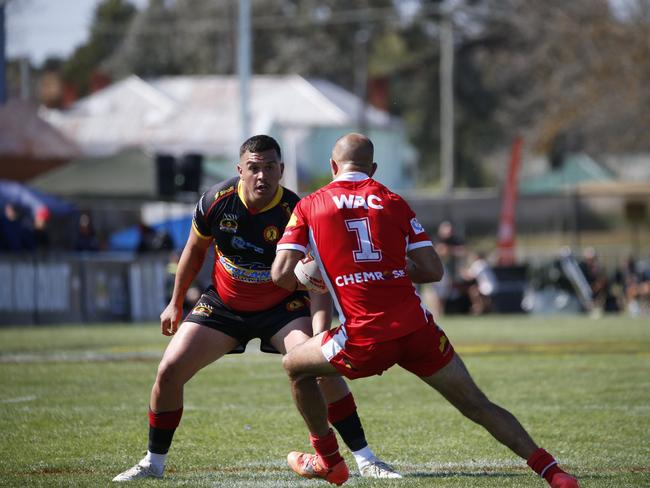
{"points": [[354, 150]]}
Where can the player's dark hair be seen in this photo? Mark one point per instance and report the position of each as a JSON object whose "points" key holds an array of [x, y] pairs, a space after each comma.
{"points": [[260, 143]]}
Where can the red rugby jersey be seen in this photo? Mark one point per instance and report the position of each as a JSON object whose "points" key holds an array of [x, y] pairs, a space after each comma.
{"points": [[360, 231]]}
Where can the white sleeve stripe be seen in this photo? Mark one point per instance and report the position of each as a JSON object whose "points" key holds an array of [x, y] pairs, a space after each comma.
{"points": [[415, 245], [291, 247]]}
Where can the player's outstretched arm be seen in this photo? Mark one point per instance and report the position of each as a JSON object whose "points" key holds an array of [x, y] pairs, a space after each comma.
{"points": [[423, 265], [283, 266], [189, 266]]}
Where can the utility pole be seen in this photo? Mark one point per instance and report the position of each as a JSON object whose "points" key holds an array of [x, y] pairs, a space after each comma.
{"points": [[25, 79], [447, 101], [361, 40], [290, 139], [244, 68], [3, 53]]}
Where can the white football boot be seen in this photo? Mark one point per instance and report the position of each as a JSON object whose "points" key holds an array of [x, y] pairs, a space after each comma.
{"points": [[379, 469], [141, 470]]}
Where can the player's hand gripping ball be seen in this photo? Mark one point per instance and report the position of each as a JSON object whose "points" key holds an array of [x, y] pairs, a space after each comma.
{"points": [[308, 274]]}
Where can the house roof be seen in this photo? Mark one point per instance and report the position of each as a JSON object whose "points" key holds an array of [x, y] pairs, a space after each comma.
{"points": [[130, 173], [576, 169], [28, 144], [23, 133], [201, 113], [629, 167]]}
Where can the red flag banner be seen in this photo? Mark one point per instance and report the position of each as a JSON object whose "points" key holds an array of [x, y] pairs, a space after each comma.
{"points": [[507, 230]]}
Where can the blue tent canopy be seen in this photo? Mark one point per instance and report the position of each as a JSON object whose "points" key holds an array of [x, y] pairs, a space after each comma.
{"points": [[31, 199], [128, 239]]}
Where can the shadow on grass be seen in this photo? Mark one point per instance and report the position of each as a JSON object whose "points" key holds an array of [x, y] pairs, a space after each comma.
{"points": [[461, 474]]}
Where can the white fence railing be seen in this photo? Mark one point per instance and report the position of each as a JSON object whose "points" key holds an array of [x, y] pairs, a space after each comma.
{"points": [[82, 288]]}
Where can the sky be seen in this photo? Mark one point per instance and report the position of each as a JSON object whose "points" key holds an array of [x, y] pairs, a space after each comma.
{"points": [[38, 29]]}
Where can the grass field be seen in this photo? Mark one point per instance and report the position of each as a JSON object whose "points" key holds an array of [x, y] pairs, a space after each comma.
{"points": [[73, 404]]}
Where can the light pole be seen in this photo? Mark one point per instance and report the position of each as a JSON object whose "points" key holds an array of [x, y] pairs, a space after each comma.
{"points": [[361, 39], [3, 62], [244, 68], [447, 101]]}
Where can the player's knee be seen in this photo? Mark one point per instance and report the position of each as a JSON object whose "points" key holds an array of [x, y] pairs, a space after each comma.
{"points": [[289, 365], [293, 369], [168, 374]]}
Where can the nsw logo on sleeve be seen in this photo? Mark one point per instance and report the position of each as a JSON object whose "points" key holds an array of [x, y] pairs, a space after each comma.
{"points": [[293, 220], [416, 226]]}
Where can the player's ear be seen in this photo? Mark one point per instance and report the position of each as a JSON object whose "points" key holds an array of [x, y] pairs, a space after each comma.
{"points": [[281, 169], [239, 170], [334, 167], [374, 168]]}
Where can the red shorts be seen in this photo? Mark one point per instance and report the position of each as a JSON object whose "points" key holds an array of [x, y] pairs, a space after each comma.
{"points": [[422, 352]]}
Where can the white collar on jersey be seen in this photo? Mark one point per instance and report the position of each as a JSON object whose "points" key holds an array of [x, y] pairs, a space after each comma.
{"points": [[352, 176]]}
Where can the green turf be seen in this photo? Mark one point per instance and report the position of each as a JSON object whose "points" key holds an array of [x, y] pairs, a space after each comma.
{"points": [[73, 406]]}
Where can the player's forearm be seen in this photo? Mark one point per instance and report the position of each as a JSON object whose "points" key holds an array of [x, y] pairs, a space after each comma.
{"points": [[423, 265], [285, 279], [423, 275], [189, 265], [282, 269]]}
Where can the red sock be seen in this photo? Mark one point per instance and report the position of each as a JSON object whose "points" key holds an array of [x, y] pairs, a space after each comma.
{"points": [[341, 409], [165, 420], [544, 465], [327, 448]]}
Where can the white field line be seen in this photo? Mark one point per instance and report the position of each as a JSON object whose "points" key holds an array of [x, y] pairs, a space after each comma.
{"points": [[473, 465], [28, 398], [252, 349], [86, 356], [597, 407]]}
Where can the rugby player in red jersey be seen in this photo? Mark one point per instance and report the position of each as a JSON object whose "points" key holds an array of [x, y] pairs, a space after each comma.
{"points": [[243, 218], [371, 249]]}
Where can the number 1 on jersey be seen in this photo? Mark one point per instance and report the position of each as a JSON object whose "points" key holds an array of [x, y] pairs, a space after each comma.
{"points": [[366, 250]]}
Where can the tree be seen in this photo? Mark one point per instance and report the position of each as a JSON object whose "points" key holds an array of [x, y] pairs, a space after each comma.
{"points": [[573, 75], [111, 19], [182, 37]]}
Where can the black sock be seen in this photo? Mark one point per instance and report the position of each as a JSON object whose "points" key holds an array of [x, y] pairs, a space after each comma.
{"points": [[351, 431], [160, 440]]}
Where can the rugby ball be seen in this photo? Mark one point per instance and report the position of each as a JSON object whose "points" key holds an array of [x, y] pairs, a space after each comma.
{"points": [[308, 274]]}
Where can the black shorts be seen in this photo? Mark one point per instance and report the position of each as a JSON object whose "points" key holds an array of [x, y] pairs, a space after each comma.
{"points": [[211, 312]]}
